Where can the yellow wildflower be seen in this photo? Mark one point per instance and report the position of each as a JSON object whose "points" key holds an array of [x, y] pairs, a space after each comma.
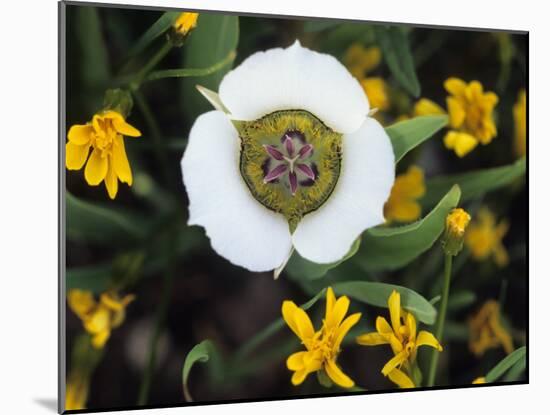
{"points": [[479, 380], [402, 205], [360, 60], [185, 23], [486, 331], [520, 122], [376, 90], [322, 346], [76, 392], [108, 161], [470, 114], [484, 238], [402, 338], [99, 317]]}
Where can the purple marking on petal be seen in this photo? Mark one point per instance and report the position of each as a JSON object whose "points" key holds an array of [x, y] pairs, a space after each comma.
{"points": [[289, 145], [304, 168], [275, 173], [293, 182], [305, 151], [273, 152]]}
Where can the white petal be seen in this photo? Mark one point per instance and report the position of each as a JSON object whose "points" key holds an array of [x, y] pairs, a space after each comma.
{"points": [[357, 202], [240, 228], [295, 78]]}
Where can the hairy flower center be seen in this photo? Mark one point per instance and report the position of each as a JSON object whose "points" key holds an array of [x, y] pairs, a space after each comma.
{"points": [[290, 161]]}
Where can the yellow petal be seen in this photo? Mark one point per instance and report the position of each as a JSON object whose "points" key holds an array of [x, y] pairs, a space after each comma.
{"points": [[395, 343], [394, 362], [76, 155], [501, 255], [394, 304], [297, 320], [343, 329], [377, 93], [479, 380], [382, 326], [120, 161], [298, 377], [410, 322], [455, 86], [426, 106], [111, 181], [99, 321], [403, 211], [337, 376], [96, 169], [457, 114], [121, 126], [81, 302], [461, 143], [372, 339], [428, 339], [335, 317], [401, 379], [80, 134], [295, 361], [99, 340]]}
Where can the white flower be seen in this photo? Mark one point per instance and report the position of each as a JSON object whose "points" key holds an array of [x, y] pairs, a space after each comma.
{"points": [[289, 160]]}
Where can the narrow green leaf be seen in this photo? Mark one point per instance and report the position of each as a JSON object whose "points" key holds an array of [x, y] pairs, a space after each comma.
{"points": [[93, 222], [461, 299], [319, 25], [202, 353], [406, 135], [475, 183], [301, 268], [94, 278], [271, 329], [94, 58], [388, 248], [192, 72], [377, 294], [161, 25], [502, 367], [516, 371], [214, 38], [396, 52]]}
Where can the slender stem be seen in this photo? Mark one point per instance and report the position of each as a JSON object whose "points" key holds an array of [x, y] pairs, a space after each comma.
{"points": [[441, 316], [153, 343], [157, 57]]}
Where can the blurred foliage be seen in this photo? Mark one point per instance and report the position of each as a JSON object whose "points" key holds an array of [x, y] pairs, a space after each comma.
{"points": [[141, 241]]}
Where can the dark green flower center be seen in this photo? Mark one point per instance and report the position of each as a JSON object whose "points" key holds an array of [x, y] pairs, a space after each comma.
{"points": [[290, 161]]}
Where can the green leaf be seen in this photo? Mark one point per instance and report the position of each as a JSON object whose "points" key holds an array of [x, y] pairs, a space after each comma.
{"points": [[301, 268], [192, 72], [92, 222], [214, 38], [502, 367], [475, 183], [377, 294], [163, 23], [94, 58], [396, 51], [389, 248], [406, 135], [461, 299], [515, 371], [202, 353], [319, 25], [94, 278]]}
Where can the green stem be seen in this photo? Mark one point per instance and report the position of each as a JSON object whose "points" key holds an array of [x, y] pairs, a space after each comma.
{"points": [[153, 343], [157, 57], [441, 316]]}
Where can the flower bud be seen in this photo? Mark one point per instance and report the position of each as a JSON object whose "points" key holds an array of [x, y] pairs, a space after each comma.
{"points": [[119, 100], [455, 226], [181, 28]]}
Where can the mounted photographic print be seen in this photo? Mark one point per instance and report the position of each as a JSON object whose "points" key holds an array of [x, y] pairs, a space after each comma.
{"points": [[259, 207]]}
